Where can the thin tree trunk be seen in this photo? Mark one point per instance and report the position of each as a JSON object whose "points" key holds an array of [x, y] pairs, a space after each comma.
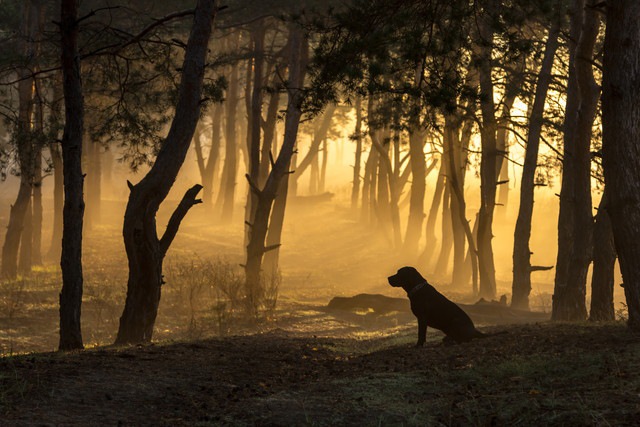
{"points": [[26, 240], [357, 136], [276, 225], [323, 168], [604, 261], [145, 251], [488, 165], [208, 167], [268, 144], [37, 210], [230, 170], [24, 143], [367, 186], [255, 124], [418, 166], [446, 245], [454, 152], [58, 202], [319, 135], [314, 174], [430, 228], [91, 153], [73, 210], [522, 235]]}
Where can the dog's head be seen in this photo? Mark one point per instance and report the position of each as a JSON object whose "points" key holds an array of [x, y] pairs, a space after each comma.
{"points": [[406, 276]]}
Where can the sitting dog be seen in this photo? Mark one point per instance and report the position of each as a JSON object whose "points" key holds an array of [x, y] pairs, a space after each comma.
{"points": [[434, 309]]}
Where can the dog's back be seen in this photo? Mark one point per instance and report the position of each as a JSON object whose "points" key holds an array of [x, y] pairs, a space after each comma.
{"points": [[443, 314]]}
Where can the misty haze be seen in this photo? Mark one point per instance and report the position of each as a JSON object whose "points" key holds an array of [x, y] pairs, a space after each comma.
{"points": [[245, 213]]}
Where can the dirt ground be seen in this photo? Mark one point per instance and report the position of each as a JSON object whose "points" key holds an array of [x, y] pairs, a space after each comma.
{"points": [[537, 374], [300, 364]]}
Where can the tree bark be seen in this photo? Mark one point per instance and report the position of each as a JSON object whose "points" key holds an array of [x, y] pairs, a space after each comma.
{"points": [[323, 167], [357, 136], [24, 141], [58, 202], [145, 251], [604, 261], [446, 244], [418, 166], [319, 135], [456, 177], [229, 171], [73, 209], [267, 151], [430, 228], [569, 299], [368, 186], [208, 167], [37, 210], [521, 287], [255, 123], [280, 170], [93, 165], [488, 165], [565, 215], [621, 139]]}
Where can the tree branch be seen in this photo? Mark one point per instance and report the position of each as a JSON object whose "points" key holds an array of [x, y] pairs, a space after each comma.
{"points": [[540, 268], [188, 200]]}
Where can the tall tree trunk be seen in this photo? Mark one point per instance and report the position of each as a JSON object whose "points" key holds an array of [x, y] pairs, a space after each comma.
{"points": [[565, 215], [569, 299], [388, 186], [276, 225], [418, 166], [230, 170], [73, 210], [456, 162], [268, 145], [37, 211], [31, 14], [621, 139], [26, 240], [208, 167], [255, 115], [357, 136], [368, 185], [456, 174], [521, 250], [320, 133], [323, 167], [488, 165], [145, 251], [314, 174], [604, 261], [55, 250], [266, 196], [93, 165], [446, 245], [430, 228]]}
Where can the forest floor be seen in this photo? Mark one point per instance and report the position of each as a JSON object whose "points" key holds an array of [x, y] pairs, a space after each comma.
{"points": [[538, 374], [301, 364]]}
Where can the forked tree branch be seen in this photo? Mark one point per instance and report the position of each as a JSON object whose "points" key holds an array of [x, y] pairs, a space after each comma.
{"points": [[188, 200]]}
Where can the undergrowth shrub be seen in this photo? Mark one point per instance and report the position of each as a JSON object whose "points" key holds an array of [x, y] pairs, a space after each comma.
{"points": [[213, 297]]}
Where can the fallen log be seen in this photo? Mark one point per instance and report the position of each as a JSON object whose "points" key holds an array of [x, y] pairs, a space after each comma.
{"points": [[482, 312]]}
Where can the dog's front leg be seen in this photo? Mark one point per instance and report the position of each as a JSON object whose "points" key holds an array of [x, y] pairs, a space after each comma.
{"points": [[422, 332]]}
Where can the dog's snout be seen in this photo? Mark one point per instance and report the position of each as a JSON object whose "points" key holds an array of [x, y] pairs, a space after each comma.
{"points": [[393, 280]]}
